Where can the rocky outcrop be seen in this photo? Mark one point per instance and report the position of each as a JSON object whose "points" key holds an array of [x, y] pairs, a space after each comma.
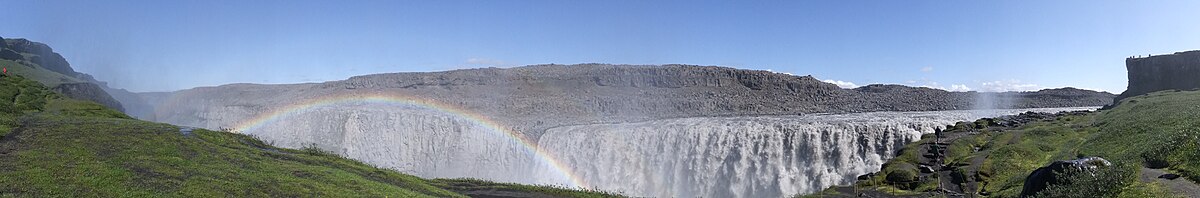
{"points": [[533, 98], [8, 54], [83, 86], [1049, 175], [89, 92], [42, 55], [1178, 71]]}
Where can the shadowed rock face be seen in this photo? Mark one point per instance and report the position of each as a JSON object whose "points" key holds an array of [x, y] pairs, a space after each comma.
{"points": [[1178, 71], [531, 99], [8, 54], [89, 92], [43, 55]]}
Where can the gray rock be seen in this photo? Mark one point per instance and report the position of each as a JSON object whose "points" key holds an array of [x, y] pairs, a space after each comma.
{"points": [[43, 55], [8, 54], [1169, 176], [89, 92], [1176, 71]]}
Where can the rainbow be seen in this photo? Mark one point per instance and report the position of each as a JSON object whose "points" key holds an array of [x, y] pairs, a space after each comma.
{"points": [[395, 99]]}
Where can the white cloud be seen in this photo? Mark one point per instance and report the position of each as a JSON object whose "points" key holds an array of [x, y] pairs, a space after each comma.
{"points": [[936, 85], [959, 87], [1008, 85], [927, 69], [842, 84], [484, 61]]}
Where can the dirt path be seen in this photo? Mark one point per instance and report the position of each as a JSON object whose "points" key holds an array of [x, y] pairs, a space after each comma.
{"points": [[1179, 186]]}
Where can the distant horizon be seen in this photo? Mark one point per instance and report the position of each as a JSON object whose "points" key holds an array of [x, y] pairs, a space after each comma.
{"points": [[1024, 45]]}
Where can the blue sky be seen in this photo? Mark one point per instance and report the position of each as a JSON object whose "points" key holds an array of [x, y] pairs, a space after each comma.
{"points": [[979, 45]]}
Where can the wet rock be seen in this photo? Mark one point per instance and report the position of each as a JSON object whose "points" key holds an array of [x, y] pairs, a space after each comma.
{"points": [[866, 176], [926, 169]]}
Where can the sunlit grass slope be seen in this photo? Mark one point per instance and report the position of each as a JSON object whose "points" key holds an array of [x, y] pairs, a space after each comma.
{"points": [[35, 72], [58, 147], [1161, 129], [1157, 129]]}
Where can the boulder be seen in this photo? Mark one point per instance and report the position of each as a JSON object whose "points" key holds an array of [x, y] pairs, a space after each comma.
{"points": [[866, 176], [926, 169], [900, 172], [1045, 176]]}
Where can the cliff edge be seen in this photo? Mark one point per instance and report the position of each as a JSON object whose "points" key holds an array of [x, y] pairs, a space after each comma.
{"points": [[1178, 71]]}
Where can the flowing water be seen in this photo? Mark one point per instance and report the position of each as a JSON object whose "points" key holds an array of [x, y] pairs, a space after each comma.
{"points": [[750, 156]]}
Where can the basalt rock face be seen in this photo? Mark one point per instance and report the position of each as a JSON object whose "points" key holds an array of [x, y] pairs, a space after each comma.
{"points": [[532, 98], [89, 92], [8, 54], [1178, 71]]}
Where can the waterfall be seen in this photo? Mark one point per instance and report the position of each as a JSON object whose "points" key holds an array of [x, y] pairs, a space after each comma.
{"points": [[748, 156], [417, 141], [764, 156]]}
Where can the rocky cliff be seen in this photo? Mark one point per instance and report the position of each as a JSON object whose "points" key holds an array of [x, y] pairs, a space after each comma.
{"points": [[89, 92], [41, 54], [1178, 71], [52, 70], [532, 98]]}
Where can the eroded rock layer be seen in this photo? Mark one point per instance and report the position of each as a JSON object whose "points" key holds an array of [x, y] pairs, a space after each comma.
{"points": [[1178, 71]]}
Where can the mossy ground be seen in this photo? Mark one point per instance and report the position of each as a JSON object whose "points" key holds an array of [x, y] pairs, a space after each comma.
{"points": [[1158, 129], [57, 147]]}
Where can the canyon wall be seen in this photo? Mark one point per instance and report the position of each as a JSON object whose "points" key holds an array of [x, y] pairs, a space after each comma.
{"points": [[531, 99]]}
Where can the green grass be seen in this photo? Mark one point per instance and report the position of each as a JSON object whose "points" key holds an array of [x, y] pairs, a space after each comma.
{"points": [[58, 147], [35, 72], [1010, 158], [467, 184], [1159, 128]]}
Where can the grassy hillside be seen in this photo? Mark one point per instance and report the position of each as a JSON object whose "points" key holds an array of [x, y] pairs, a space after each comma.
{"points": [[53, 146], [35, 72], [1158, 131]]}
